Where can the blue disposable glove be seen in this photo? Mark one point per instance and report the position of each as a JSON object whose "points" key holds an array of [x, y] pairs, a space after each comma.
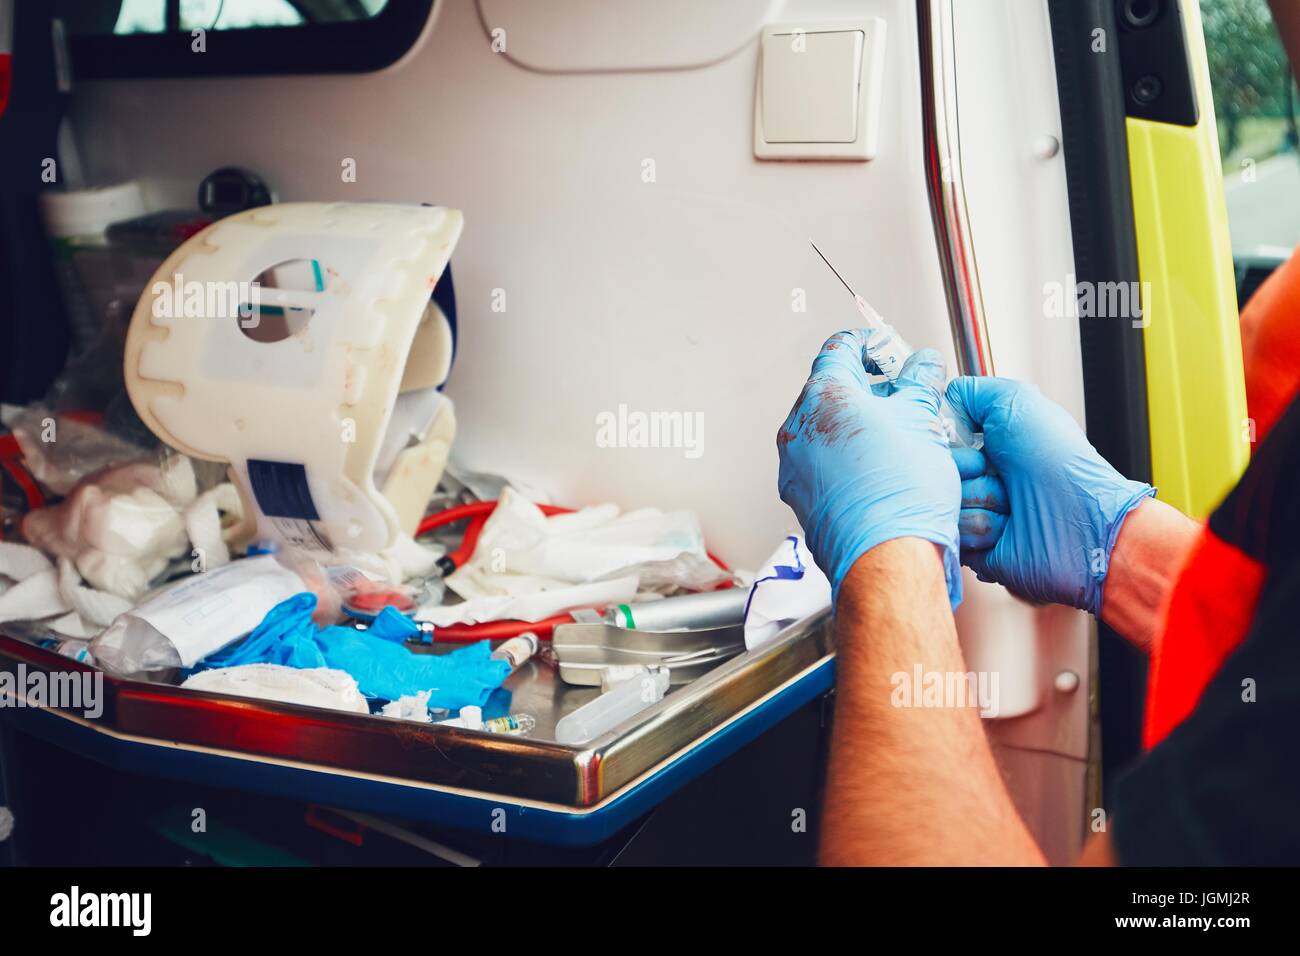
{"points": [[862, 464], [376, 658], [1043, 521]]}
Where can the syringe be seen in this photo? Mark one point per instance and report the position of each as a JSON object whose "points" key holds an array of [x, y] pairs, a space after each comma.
{"points": [[889, 351]]}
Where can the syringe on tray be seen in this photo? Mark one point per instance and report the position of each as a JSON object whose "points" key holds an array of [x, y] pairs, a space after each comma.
{"points": [[889, 351]]}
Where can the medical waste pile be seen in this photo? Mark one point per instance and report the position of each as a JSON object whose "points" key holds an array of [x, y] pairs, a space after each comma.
{"points": [[122, 558]]}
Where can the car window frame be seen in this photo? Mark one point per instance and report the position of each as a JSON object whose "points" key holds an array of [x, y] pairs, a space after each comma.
{"points": [[354, 46]]}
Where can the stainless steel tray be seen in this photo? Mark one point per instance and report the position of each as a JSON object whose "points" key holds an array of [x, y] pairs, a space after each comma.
{"points": [[585, 650], [530, 769]]}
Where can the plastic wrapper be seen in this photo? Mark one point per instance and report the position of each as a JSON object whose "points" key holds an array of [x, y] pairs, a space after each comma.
{"points": [[61, 451], [345, 575], [664, 550], [195, 616]]}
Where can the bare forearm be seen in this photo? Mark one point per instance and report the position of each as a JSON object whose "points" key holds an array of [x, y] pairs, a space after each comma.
{"points": [[909, 785], [1153, 542]]}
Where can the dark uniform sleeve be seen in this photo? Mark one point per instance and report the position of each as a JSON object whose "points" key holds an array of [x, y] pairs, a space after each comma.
{"points": [[1223, 787]]}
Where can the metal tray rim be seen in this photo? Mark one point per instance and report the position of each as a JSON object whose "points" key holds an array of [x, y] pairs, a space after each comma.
{"points": [[523, 770]]}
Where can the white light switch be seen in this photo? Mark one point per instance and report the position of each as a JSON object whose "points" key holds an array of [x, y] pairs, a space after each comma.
{"points": [[818, 90], [810, 87]]}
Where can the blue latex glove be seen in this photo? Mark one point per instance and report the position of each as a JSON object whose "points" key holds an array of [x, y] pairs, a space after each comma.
{"points": [[467, 675], [862, 464], [1045, 524], [376, 658]]}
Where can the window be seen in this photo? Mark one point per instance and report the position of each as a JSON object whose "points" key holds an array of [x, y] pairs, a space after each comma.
{"points": [[150, 16], [131, 38], [1255, 103]]}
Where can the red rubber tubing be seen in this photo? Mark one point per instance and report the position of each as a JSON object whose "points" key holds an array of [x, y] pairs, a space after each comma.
{"points": [[473, 510], [498, 630], [477, 512]]}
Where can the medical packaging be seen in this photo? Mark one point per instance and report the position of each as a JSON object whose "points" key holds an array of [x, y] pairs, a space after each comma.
{"points": [[195, 617]]}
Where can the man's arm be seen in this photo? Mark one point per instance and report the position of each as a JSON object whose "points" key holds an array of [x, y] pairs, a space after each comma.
{"points": [[909, 785], [1153, 544]]}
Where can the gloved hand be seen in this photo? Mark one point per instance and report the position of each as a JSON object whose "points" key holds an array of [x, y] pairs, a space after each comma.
{"points": [[862, 464], [1045, 524]]}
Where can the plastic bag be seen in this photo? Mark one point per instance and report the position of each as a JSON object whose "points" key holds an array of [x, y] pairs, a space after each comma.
{"points": [[60, 450], [195, 617], [520, 548]]}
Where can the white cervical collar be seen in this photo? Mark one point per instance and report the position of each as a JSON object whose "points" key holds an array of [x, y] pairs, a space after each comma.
{"points": [[302, 420]]}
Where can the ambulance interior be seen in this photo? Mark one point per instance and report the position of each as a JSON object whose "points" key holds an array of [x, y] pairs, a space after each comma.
{"points": [[598, 213]]}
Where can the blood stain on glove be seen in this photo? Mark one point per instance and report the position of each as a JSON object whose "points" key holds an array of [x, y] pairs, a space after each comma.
{"points": [[828, 419]]}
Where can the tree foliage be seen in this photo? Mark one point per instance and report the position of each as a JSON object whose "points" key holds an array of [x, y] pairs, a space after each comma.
{"points": [[1248, 67]]}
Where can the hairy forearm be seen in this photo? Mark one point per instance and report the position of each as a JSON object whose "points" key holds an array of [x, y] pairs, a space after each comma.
{"points": [[909, 785], [1153, 543]]}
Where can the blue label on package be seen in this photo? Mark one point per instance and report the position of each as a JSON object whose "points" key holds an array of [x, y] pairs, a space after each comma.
{"points": [[280, 488]]}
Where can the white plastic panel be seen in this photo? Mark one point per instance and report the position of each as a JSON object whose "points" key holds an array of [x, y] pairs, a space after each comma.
{"points": [[583, 36]]}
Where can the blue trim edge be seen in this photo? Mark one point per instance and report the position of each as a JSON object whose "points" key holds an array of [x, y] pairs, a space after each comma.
{"points": [[414, 803]]}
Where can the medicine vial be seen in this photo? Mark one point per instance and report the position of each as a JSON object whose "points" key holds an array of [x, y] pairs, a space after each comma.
{"points": [[517, 650]]}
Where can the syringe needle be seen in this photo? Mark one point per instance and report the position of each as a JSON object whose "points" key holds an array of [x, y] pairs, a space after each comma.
{"points": [[865, 308], [833, 269], [889, 351]]}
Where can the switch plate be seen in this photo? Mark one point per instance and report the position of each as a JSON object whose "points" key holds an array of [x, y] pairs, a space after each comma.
{"points": [[818, 90]]}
